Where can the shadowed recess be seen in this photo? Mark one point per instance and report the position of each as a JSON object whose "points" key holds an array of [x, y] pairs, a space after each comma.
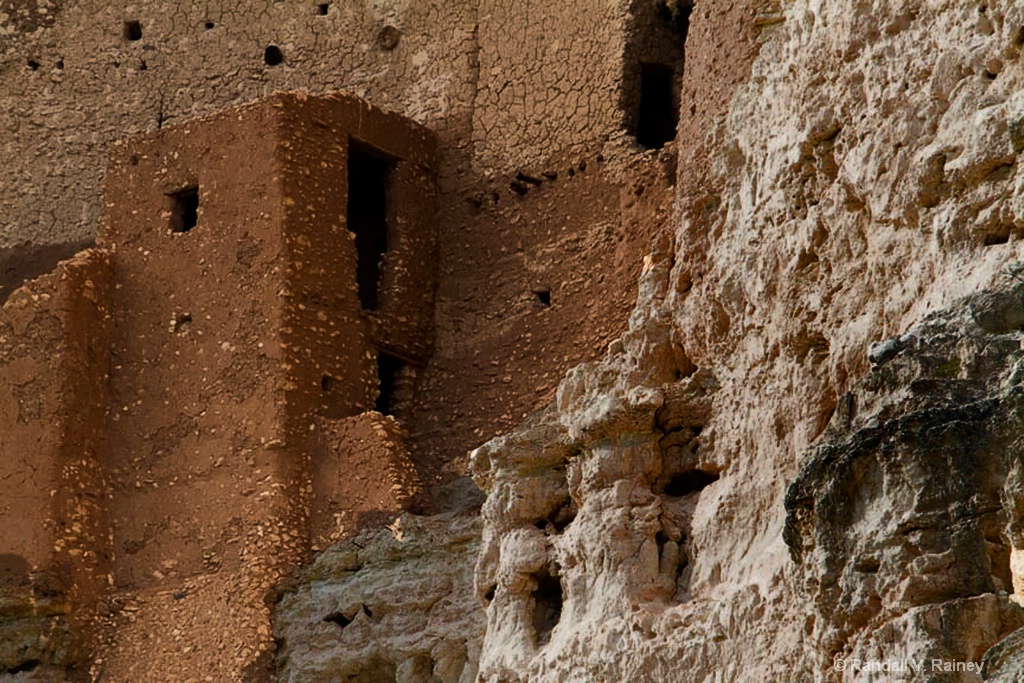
{"points": [[26, 261]]}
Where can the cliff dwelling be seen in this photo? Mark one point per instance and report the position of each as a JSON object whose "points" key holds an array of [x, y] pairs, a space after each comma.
{"points": [[421, 341]]}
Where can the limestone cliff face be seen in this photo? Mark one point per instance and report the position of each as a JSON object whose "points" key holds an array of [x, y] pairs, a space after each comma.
{"points": [[861, 186], [905, 519], [805, 448], [389, 604]]}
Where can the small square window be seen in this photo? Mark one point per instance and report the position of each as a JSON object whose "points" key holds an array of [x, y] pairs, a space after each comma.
{"points": [[184, 209], [132, 30]]}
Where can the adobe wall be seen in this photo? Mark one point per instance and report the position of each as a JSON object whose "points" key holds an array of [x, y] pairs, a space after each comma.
{"points": [[200, 473], [360, 476], [546, 209], [578, 234], [73, 83], [549, 78], [222, 420], [572, 69], [54, 340], [88, 87], [325, 329], [332, 344]]}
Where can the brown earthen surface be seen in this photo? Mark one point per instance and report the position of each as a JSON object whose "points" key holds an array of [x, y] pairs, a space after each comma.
{"points": [[231, 339], [576, 239], [54, 357], [797, 450]]}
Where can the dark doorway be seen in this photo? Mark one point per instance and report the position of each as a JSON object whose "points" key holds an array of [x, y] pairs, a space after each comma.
{"points": [[658, 115], [388, 369], [367, 216]]}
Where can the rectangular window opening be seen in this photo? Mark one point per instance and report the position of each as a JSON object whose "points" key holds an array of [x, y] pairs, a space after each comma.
{"points": [[389, 367], [369, 171], [133, 30], [658, 114], [184, 209]]}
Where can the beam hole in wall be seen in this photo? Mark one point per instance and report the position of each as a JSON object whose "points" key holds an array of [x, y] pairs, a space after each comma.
{"points": [[327, 383], [388, 37], [658, 113], [272, 56], [543, 296], [132, 30], [182, 321], [388, 369], [530, 179], [548, 597], [369, 173], [685, 483], [184, 209], [32, 64], [209, 25], [59, 64], [323, 8]]}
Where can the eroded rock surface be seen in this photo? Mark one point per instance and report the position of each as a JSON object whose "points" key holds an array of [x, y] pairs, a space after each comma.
{"points": [[905, 520], [395, 603], [862, 179]]}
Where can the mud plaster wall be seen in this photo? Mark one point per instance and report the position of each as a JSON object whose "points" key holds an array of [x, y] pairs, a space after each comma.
{"points": [[549, 77], [563, 63], [73, 83], [578, 235], [222, 335], [530, 87], [56, 547], [201, 483]]}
